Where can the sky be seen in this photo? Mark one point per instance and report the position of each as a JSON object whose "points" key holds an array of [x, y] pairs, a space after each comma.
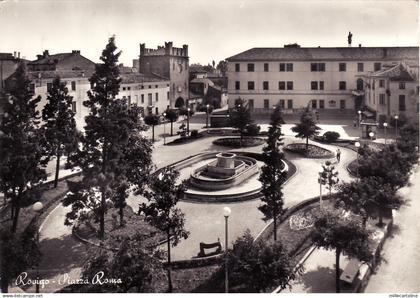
{"points": [[213, 29]]}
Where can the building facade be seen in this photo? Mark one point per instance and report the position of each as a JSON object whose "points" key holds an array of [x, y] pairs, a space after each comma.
{"points": [[321, 78], [169, 63]]}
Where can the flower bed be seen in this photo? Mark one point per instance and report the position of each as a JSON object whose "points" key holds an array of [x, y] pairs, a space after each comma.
{"points": [[314, 151], [236, 142]]}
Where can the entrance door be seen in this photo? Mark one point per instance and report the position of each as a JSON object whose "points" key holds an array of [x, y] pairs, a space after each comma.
{"points": [[313, 103], [342, 104]]}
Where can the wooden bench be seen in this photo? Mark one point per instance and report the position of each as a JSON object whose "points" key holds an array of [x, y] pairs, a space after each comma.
{"points": [[204, 246], [350, 272]]}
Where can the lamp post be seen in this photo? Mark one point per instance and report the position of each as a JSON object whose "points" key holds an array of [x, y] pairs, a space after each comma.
{"points": [[37, 207], [385, 127], [396, 127], [360, 116], [320, 189], [164, 129], [188, 122], [207, 115], [357, 144], [371, 135], [226, 213]]}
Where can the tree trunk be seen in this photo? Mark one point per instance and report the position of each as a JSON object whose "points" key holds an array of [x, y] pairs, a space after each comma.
{"points": [[172, 128], [380, 223], [4, 281], [275, 227], [337, 270], [169, 263], [364, 221], [102, 216], [57, 169], [15, 219], [121, 216]]}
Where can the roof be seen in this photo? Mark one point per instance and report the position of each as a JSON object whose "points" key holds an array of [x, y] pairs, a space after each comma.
{"points": [[52, 59], [7, 56], [197, 68], [202, 80], [132, 78], [63, 74], [348, 53], [395, 73]]}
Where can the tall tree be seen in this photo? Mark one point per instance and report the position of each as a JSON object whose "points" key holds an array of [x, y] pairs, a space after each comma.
{"points": [[172, 116], [273, 174], [222, 67], [307, 127], [408, 142], [21, 154], [329, 176], [161, 212], [369, 198], [18, 252], [257, 266], [106, 136], [344, 235], [59, 125], [135, 265], [152, 120], [240, 116]]}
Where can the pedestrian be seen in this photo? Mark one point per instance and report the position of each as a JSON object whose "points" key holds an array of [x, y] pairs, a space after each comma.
{"points": [[338, 155]]}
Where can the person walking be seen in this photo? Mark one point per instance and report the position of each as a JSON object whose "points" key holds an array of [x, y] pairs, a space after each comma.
{"points": [[338, 155]]}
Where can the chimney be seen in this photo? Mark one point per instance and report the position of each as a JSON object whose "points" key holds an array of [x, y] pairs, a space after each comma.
{"points": [[185, 47], [360, 45], [39, 57], [46, 54], [14, 54]]}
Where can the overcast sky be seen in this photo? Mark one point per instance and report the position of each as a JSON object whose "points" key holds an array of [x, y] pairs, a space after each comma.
{"points": [[213, 29]]}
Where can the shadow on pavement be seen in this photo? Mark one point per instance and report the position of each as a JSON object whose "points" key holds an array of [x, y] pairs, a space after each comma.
{"points": [[321, 280]]}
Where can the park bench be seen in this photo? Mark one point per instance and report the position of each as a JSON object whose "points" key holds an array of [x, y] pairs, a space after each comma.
{"points": [[350, 271], [206, 246]]}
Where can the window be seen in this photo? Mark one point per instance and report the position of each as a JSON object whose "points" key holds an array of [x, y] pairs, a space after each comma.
{"points": [[342, 66], [237, 67], [289, 67], [314, 85], [49, 87], [73, 106], [282, 66], [381, 83], [73, 85], [155, 86], [265, 67], [142, 98], [167, 95], [290, 103], [282, 85], [321, 104], [342, 104], [157, 96], [313, 103], [342, 85], [401, 85], [265, 85], [360, 67], [129, 88], [251, 103], [124, 88], [317, 66], [141, 86], [281, 103], [321, 85], [401, 102], [237, 85], [382, 99], [150, 86], [266, 104], [289, 85], [150, 99], [377, 66], [250, 66], [251, 85]]}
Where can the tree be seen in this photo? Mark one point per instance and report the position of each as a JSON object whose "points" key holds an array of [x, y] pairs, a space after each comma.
{"points": [[408, 142], [343, 234], [307, 127], [161, 211], [172, 116], [18, 252], [136, 266], [273, 174], [329, 176], [259, 266], [152, 120], [240, 117], [21, 154], [369, 198], [60, 127], [222, 66], [109, 125]]}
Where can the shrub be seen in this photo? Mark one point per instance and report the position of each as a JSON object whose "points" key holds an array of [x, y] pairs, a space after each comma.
{"points": [[253, 129], [331, 136], [194, 133]]}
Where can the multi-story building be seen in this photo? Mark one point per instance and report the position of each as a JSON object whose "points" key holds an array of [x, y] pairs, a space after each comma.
{"points": [[391, 91], [170, 63], [295, 77]]}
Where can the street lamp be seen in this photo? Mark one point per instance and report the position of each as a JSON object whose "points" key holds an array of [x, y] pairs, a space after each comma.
{"points": [[396, 126], [371, 135], [37, 207], [226, 213], [360, 116], [164, 129], [188, 121], [385, 127], [320, 189], [207, 115], [357, 145]]}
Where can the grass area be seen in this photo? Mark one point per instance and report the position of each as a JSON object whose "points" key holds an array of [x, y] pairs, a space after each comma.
{"points": [[236, 142]]}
